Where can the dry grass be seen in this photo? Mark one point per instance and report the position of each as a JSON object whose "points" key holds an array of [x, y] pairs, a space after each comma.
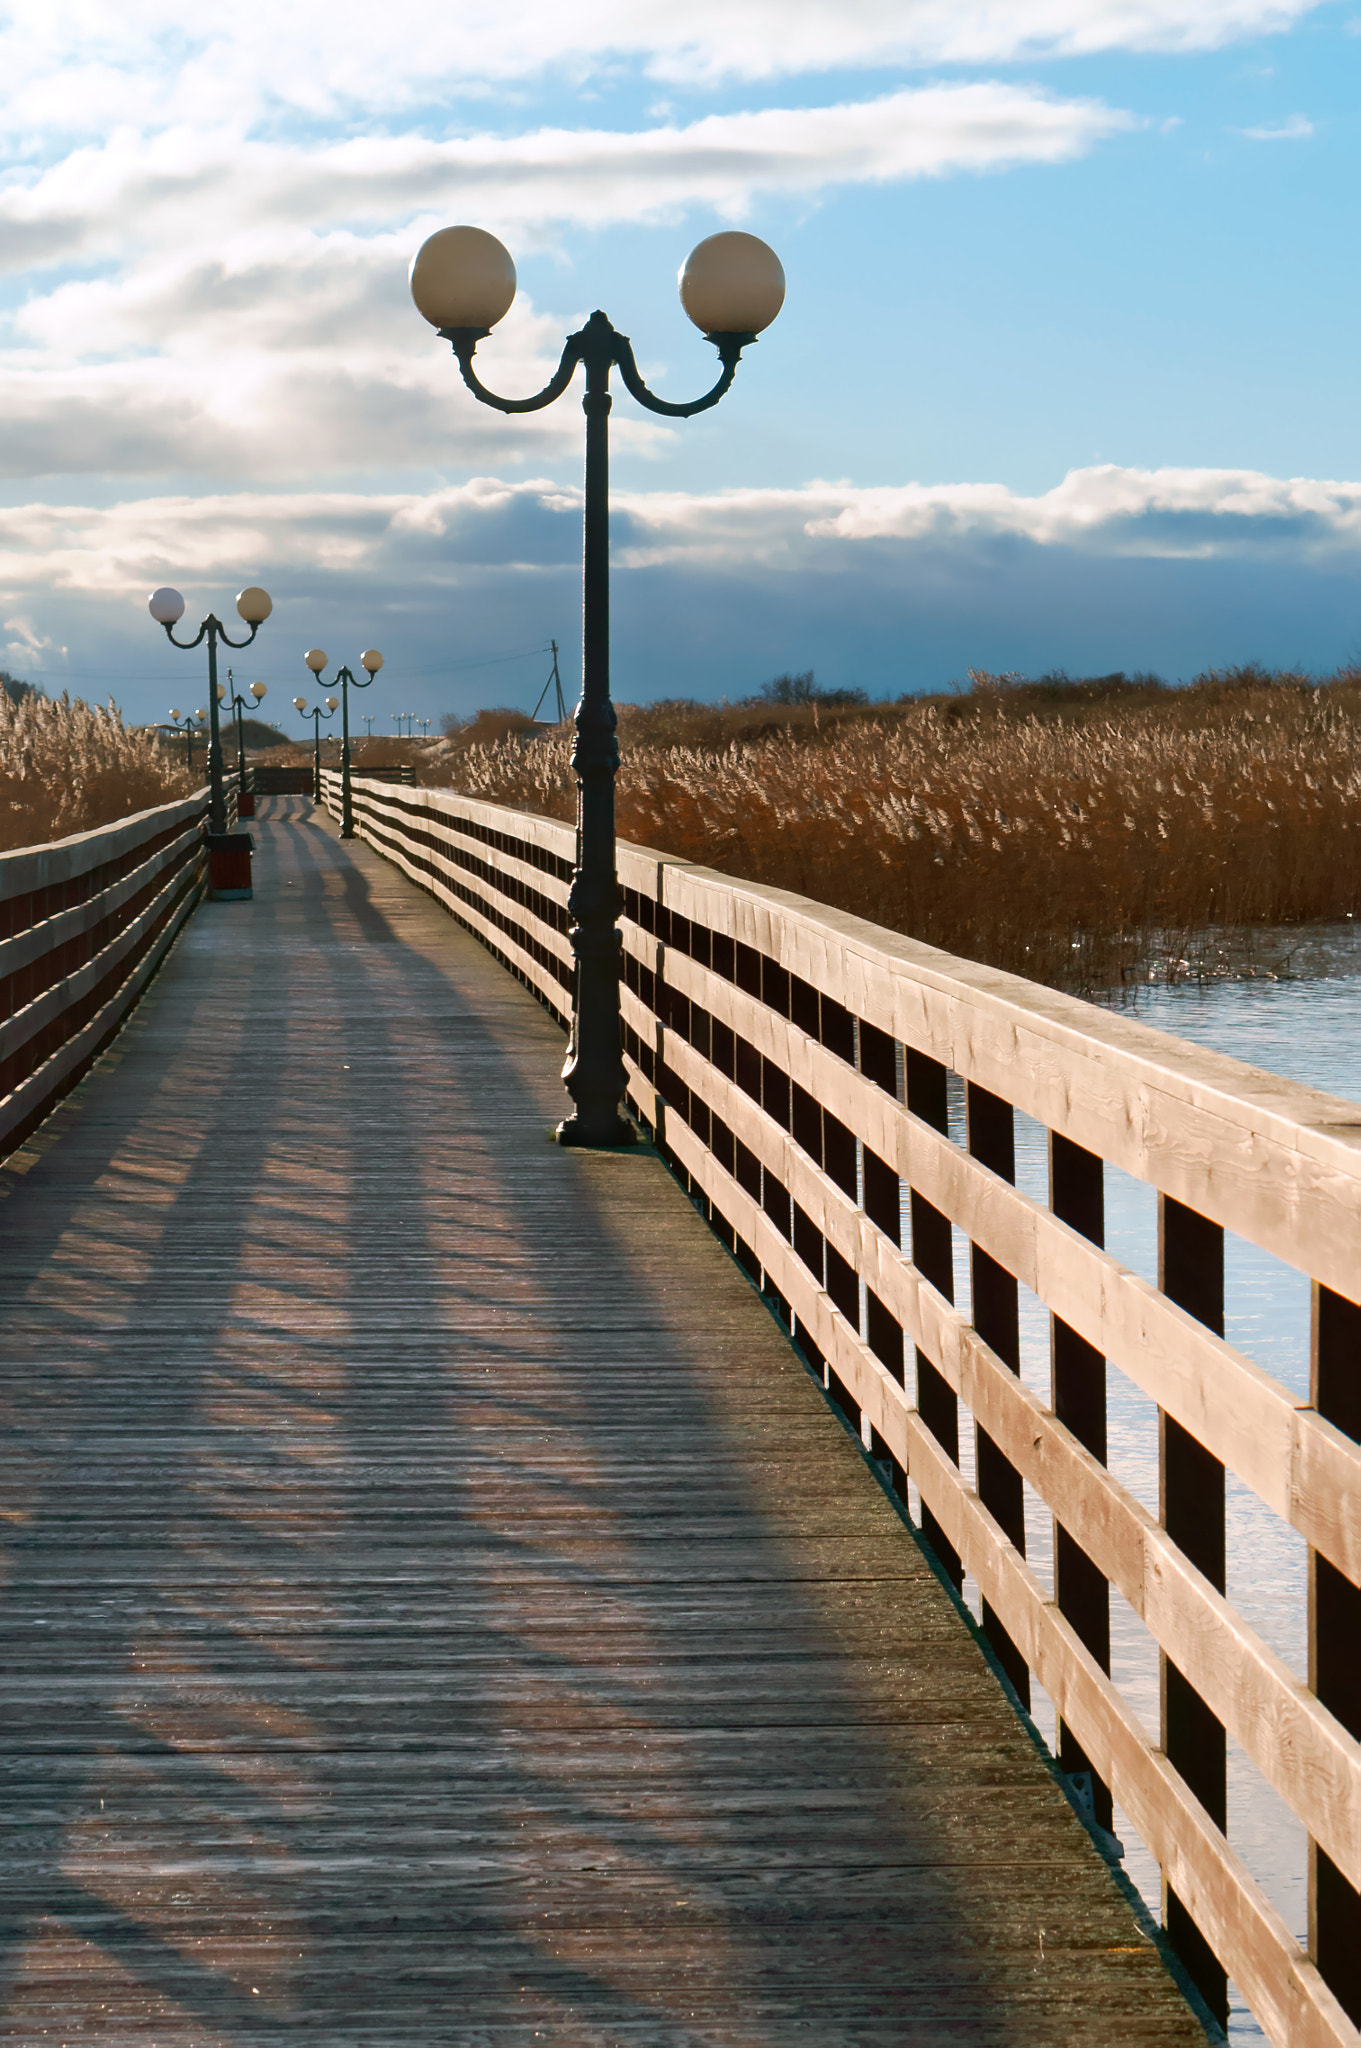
{"points": [[1081, 834], [68, 766]]}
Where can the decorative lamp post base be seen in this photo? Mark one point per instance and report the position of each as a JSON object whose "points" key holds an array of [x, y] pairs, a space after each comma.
{"points": [[229, 866], [602, 1134], [245, 803]]}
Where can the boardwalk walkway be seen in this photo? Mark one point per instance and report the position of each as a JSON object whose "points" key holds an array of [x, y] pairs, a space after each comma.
{"points": [[437, 1607]]}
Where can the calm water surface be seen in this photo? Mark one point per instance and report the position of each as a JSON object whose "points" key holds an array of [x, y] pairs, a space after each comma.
{"points": [[1308, 1028]]}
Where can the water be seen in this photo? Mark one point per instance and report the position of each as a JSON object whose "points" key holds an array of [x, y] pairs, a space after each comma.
{"points": [[1307, 1027]]}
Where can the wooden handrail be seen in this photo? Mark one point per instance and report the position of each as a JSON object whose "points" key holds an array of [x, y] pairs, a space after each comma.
{"points": [[767, 1042], [86, 922]]}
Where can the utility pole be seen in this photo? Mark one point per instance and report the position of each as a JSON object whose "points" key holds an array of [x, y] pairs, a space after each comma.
{"points": [[554, 683]]}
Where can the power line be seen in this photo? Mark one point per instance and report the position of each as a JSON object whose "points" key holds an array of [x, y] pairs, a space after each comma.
{"points": [[57, 679]]}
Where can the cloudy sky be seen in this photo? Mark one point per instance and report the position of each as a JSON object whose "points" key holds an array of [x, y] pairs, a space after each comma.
{"points": [[1068, 373]]}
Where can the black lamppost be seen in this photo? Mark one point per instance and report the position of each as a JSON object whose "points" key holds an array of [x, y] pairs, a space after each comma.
{"points": [[188, 730], [245, 800], [372, 661], [316, 714], [228, 852], [732, 286], [167, 607]]}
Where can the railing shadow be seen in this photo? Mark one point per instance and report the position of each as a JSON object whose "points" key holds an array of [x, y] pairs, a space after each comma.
{"points": [[464, 1610]]}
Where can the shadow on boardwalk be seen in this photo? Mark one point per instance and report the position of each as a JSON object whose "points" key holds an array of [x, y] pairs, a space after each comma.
{"points": [[437, 1606]]}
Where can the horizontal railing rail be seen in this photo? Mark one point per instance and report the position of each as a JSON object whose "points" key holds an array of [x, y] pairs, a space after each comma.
{"points": [[794, 1065], [268, 779], [84, 922]]}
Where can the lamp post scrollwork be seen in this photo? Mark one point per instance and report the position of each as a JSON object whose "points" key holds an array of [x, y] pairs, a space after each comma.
{"points": [[732, 286], [192, 721], [317, 716], [245, 800], [228, 852], [371, 661]]}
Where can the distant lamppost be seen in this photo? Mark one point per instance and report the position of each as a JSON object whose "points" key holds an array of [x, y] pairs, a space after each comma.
{"points": [[245, 798], [188, 730], [732, 286], [228, 852], [316, 714], [370, 660], [167, 607]]}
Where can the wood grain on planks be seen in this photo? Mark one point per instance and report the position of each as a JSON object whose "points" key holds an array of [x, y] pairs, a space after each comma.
{"points": [[436, 1604]]}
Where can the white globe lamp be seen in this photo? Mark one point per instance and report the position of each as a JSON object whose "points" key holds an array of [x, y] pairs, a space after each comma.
{"points": [[462, 277], [732, 283]]}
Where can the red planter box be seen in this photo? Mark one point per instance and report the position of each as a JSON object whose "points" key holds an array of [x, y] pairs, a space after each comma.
{"points": [[245, 803], [229, 866]]}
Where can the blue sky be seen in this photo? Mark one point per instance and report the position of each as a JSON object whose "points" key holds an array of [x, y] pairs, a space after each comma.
{"points": [[1067, 373]]}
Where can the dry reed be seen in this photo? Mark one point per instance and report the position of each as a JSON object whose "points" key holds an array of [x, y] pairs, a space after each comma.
{"points": [[1081, 841], [67, 766]]}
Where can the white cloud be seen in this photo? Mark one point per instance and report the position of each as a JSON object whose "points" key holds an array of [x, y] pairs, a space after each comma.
{"points": [[74, 66], [252, 318], [192, 189], [27, 641], [1164, 514], [1297, 129], [441, 535], [889, 588], [262, 411], [1160, 511]]}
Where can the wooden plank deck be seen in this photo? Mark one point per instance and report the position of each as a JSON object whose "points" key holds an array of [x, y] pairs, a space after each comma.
{"points": [[437, 1606]]}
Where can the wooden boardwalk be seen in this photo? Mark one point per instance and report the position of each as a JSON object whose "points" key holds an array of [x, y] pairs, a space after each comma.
{"points": [[437, 1606]]}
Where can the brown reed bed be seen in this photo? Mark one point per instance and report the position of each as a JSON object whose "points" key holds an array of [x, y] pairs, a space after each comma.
{"points": [[67, 766], [1083, 834]]}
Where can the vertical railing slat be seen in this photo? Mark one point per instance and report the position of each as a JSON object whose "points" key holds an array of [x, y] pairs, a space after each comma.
{"points": [[1191, 1508], [933, 1255], [1335, 1644], [1078, 1383], [992, 1141]]}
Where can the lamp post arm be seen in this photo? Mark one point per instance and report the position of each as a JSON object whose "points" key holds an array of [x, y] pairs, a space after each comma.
{"points": [[465, 340], [239, 643], [347, 677], [729, 346], [195, 642]]}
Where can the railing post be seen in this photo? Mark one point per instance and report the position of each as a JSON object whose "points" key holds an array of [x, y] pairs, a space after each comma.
{"points": [[933, 1257], [1078, 1383], [1335, 1645], [883, 1198], [991, 1134], [1191, 1506]]}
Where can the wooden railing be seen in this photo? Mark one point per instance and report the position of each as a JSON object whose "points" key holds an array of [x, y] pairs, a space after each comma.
{"points": [[793, 1064], [83, 924]]}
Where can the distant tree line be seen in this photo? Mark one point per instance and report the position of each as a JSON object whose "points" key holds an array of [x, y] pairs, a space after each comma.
{"points": [[804, 690]]}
